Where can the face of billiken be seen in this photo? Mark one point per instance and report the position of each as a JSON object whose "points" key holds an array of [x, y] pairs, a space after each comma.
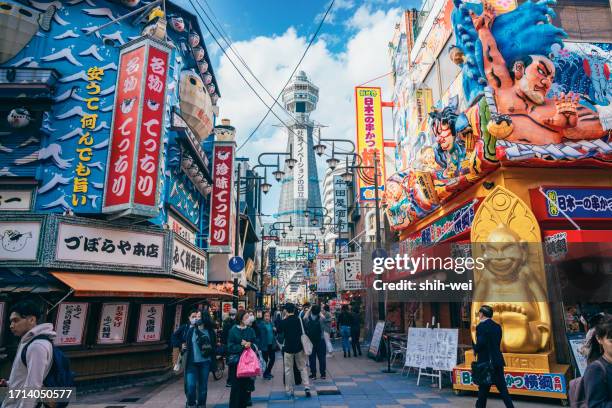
{"points": [[537, 79]]}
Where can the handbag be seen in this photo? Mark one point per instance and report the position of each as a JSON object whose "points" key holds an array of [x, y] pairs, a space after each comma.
{"points": [[233, 359], [306, 343], [178, 366], [248, 366], [482, 372]]}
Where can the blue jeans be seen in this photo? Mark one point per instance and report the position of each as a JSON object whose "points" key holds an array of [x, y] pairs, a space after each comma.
{"points": [[196, 377], [345, 332]]}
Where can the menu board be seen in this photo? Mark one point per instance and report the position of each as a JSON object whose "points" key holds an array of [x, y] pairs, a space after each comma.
{"points": [[70, 323], [576, 342], [376, 337], [150, 323], [432, 348], [113, 323]]}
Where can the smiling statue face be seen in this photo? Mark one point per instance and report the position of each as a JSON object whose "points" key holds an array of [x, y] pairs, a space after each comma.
{"points": [[537, 79], [504, 254]]}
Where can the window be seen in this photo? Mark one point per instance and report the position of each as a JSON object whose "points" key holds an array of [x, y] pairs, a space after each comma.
{"points": [[585, 20]]}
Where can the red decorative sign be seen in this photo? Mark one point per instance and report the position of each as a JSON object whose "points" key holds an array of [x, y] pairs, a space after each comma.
{"points": [[136, 138], [147, 169], [221, 200]]}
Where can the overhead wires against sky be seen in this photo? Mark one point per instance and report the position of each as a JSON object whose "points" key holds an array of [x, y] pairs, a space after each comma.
{"points": [[314, 36]]}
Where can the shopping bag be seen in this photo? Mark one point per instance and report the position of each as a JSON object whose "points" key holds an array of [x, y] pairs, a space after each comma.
{"points": [[178, 366], [248, 366], [262, 362], [306, 343], [328, 343]]}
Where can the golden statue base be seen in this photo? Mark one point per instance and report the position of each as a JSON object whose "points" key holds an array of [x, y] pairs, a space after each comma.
{"points": [[526, 374]]}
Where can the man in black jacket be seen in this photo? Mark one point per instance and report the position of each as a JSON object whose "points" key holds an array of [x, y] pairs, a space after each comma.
{"points": [[291, 330], [488, 339]]}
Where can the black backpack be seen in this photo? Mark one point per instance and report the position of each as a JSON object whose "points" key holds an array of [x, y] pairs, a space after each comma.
{"points": [[59, 375], [205, 344], [313, 329]]}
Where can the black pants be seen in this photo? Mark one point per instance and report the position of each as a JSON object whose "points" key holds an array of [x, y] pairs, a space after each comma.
{"points": [[231, 372], [240, 393], [269, 357], [500, 382], [355, 342], [319, 352]]}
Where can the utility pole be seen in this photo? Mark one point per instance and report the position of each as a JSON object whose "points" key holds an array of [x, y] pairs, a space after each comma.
{"points": [[237, 236]]}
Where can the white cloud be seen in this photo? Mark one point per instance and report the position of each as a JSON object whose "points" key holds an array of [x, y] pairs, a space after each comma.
{"points": [[272, 59]]}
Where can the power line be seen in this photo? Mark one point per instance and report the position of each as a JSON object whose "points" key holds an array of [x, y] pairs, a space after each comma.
{"points": [[236, 68], [223, 34], [292, 73]]}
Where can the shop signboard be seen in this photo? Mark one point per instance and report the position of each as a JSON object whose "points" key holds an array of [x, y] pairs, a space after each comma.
{"points": [[189, 260], [326, 271], [340, 204], [519, 382], [342, 247], [576, 343], [178, 311], [181, 229], [272, 261], [150, 322], [92, 246], [352, 278], [16, 199], [370, 139], [113, 323], [227, 306], [19, 240], [221, 199], [577, 203], [432, 348], [300, 171], [137, 131], [376, 338], [70, 323]]}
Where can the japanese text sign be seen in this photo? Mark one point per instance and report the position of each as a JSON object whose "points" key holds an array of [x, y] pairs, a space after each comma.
{"points": [[524, 381], [326, 271], [113, 322], [136, 137], [370, 139], [340, 204], [106, 246], [150, 323], [189, 260], [300, 171], [352, 278], [221, 201], [574, 202], [70, 323]]}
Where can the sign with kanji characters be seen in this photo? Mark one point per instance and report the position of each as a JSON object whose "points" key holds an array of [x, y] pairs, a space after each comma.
{"points": [[136, 134], [326, 271], [178, 311], [189, 260], [113, 323], [300, 171], [109, 246], [574, 202], [432, 348], [518, 382], [272, 261], [181, 229], [221, 202], [16, 200], [370, 140], [70, 323], [19, 240], [150, 323], [340, 204], [352, 278]]}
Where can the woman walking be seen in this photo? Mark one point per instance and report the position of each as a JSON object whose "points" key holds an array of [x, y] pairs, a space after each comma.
{"points": [[345, 321], [267, 343], [241, 337], [597, 378], [356, 331], [197, 341]]}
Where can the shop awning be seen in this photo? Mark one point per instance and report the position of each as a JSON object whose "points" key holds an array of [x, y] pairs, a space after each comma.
{"points": [[91, 284]]}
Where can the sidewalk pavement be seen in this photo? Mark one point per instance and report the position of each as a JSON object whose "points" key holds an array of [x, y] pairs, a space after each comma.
{"points": [[351, 382]]}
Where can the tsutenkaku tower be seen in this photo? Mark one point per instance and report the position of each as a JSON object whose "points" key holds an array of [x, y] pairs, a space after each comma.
{"points": [[300, 186]]}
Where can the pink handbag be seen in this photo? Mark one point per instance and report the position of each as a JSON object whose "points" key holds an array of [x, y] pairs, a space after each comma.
{"points": [[248, 366]]}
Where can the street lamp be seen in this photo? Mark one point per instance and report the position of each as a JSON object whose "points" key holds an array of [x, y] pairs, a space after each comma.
{"points": [[332, 162], [265, 187], [306, 213]]}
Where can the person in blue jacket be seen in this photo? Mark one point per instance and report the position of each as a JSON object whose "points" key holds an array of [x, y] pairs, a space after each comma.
{"points": [[197, 342]]}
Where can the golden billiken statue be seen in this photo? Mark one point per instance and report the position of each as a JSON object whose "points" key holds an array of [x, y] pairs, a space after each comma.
{"points": [[506, 277]]}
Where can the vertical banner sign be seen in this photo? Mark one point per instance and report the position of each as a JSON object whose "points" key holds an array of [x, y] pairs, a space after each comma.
{"points": [[370, 139], [221, 200], [340, 204], [113, 323], [177, 317], [150, 322], [326, 271], [300, 171], [132, 170], [70, 323], [272, 261]]}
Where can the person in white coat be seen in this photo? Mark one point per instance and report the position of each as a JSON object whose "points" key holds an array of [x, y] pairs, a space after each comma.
{"points": [[25, 317]]}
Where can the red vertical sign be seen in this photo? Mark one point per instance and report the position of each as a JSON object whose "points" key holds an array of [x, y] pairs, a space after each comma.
{"points": [[147, 163], [125, 126], [221, 200]]}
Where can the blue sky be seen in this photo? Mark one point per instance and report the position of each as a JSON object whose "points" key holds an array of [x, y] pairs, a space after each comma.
{"points": [[271, 35]]}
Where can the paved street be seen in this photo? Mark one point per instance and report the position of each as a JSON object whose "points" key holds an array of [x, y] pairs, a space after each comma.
{"points": [[354, 382]]}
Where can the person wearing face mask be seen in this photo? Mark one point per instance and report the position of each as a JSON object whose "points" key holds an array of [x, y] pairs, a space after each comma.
{"points": [[241, 337], [267, 342], [228, 323], [597, 379], [197, 341]]}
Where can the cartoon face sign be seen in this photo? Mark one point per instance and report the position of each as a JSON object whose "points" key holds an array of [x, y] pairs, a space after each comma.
{"points": [[178, 24], [14, 241]]}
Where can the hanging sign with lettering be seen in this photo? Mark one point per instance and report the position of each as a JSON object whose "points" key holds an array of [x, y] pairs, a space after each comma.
{"points": [[150, 323], [70, 323], [221, 199], [113, 322], [189, 260]]}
